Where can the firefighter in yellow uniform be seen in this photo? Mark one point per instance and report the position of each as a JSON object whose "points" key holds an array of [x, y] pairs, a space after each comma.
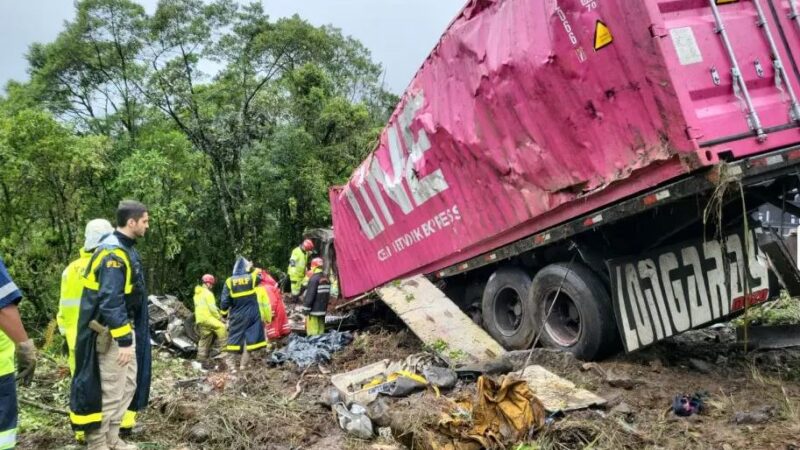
{"points": [[208, 318], [297, 266], [69, 305], [318, 294]]}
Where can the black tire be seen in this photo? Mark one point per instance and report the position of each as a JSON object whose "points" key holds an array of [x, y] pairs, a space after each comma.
{"points": [[189, 328], [582, 320], [506, 314]]}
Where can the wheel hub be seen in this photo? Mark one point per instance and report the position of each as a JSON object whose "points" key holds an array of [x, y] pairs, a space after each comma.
{"points": [[564, 324]]}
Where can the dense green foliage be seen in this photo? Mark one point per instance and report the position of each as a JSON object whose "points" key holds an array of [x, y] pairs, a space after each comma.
{"points": [[229, 125]]}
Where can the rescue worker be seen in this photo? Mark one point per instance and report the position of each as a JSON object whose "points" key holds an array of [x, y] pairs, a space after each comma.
{"points": [[297, 266], [112, 350], [72, 289], [12, 334], [72, 285], [241, 303], [315, 305], [208, 318], [278, 327]]}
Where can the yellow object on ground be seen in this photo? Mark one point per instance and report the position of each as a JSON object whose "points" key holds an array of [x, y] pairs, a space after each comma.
{"points": [[504, 414]]}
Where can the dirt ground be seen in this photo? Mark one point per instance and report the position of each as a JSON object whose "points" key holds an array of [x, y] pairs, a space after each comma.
{"points": [[257, 409]]}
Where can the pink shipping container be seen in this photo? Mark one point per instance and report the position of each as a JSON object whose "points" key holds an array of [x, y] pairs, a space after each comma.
{"points": [[529, 113]]}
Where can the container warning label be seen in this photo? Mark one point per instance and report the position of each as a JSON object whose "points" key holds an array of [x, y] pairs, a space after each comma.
{"points": [[686, 46], [602, 35]]}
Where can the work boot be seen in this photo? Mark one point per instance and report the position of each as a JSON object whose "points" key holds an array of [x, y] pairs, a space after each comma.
{"points": [[114, 441], [122, 445], [230, 362], [202, 354], [96, 441]]}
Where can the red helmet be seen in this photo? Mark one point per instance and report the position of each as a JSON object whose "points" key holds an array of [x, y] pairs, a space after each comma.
{"points": [[308, 245], [207, 278], [317, 262]]}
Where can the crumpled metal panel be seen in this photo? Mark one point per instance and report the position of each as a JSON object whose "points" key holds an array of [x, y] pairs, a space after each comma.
{"points": [[526, 114]]}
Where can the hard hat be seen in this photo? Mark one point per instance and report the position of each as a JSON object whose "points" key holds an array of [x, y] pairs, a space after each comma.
{"points": [[308, 245], [317, 262], [96, 230], [208, 278]]}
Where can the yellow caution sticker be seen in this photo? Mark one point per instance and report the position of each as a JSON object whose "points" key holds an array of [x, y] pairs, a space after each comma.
{"points": [[725, 2], [602, 35]]}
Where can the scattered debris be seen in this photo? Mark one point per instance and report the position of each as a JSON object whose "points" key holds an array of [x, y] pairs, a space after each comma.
{"points": [[556, 393], [505, 412], [759, 416], [354, 421], [612, 378], [350, 384], [396, 384], [700, 365], [306, 351], [623, 409], [684, 405], [770, 337], [441, 377], [172, 325]]}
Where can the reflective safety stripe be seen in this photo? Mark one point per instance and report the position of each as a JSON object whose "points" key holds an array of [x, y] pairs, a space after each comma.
{"points": [[236, 348], [79, 419], [8, 288], [70, 302], [128, 420], [251, 291], [90, 277], [121, 331], [257, 346], [7, 349], [243, 293], [8, 439]]}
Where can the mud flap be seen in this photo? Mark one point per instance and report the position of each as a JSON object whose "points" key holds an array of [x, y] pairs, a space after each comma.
{"points": [[781, 262], [669, 290]]}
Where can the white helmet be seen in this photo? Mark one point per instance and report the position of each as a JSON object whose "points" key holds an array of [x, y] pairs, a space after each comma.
{"points": [[96, 230]]}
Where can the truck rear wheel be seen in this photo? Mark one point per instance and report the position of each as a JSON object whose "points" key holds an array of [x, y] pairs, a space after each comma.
{"points": [[582, 320], [506, 314]]}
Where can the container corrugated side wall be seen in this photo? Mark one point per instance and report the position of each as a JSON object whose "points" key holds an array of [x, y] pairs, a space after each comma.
{"points": [[526, 114]]}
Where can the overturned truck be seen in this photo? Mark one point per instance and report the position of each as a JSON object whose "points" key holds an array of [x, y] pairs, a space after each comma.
{"points": [[611, 152]]}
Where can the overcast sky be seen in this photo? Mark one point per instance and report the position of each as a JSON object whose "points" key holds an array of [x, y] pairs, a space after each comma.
{"points": [[399, 33]]}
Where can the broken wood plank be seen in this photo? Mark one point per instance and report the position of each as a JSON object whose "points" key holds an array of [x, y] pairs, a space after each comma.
{"points": [[439, 323]]}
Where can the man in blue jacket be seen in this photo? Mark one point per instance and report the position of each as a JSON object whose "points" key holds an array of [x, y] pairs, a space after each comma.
{"points": [[112, 350], [240, 303]]}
